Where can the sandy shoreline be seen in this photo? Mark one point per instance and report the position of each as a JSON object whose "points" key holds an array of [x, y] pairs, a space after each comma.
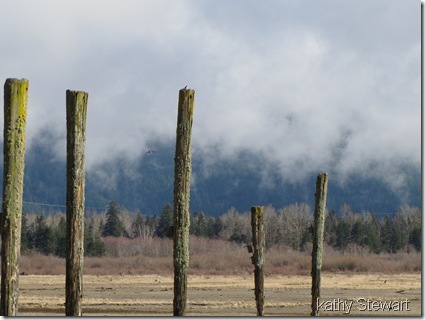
{"points": [[151, 295]]}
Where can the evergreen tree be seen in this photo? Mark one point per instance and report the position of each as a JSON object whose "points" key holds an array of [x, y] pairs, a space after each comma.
{"points": [[24, 234], [217, 227], [199, 225], [163, 229], [93, 244], [342, 234], [373, 240], [397, 237], [113, 226], [98, 248], [386, 235], [44, 236], [306, 238], [358, 234], [415, 238], [30, 236], [372, 230], [391, 236], [61, 238], [210, 228]]}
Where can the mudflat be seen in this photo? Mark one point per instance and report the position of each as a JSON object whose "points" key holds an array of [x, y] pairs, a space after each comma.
{"points": [[211, 295]]}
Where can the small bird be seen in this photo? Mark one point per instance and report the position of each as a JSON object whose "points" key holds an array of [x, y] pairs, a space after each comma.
{"points": [[150, 151]]}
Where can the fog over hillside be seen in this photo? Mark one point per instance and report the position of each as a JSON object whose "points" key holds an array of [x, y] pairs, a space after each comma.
{"points": [[147, 184], [288, 88]]}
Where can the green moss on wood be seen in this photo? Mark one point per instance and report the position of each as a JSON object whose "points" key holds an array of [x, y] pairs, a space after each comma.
{"points": [[318, 231], [15, 113], [181, 220]]}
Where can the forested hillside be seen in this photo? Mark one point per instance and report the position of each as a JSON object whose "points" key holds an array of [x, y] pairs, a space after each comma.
{"points": [[147, 184]]}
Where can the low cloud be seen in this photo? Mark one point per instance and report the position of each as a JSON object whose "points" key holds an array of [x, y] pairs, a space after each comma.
{"points": [[323, 86]]}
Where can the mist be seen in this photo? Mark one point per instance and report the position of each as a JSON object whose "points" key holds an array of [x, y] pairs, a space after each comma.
{"points": [[310, 86]]}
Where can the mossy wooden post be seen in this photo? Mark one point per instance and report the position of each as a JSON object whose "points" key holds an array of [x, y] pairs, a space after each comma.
{"points": [[181, 219], [15, 114], [258, 243], [318, 230], [76, 114]]}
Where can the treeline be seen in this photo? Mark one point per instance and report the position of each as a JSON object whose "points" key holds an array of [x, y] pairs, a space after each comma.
{"points": [[289, 225]]}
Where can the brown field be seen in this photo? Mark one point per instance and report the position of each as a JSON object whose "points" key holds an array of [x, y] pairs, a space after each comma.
{"points": [[135, 279], [219, 295]]}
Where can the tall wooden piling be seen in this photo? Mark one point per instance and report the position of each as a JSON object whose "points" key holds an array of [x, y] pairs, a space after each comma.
{"points": [[15, 114], [76, 114], [258, 243], [318, 230], [181, 218]]}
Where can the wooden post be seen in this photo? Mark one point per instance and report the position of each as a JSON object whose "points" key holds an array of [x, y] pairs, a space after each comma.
{"points": [[76, 114], [258, 243], [15, 114], [318, 230], [181, 219]]}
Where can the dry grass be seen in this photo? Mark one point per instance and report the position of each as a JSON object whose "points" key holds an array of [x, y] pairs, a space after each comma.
{"points": [[218, 257], [40, 264]]}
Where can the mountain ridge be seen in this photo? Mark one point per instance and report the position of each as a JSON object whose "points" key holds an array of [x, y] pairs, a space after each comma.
{"points": [[146, 184]]}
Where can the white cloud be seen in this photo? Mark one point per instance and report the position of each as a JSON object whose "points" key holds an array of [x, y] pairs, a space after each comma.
{"points": [[312, 85]]}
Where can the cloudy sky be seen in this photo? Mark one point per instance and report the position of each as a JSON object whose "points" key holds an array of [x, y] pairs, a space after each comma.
{"points": [[313, 85]]}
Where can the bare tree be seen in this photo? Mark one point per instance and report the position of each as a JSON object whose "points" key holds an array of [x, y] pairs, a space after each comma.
{"points": [[296, 218], [127, 219], [406, 219], [272, 227], [236, 225]]}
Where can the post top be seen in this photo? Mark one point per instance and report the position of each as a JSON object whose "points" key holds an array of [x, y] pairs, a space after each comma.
{"points": [[187, 89], [75, 92], [15, 80]]}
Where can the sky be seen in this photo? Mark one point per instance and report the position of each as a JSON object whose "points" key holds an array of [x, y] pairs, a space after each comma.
{"points": [[311, 85]]}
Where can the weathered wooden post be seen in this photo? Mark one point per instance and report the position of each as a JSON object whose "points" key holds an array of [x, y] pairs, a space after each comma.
{"points": [[258, 243], [181, 219], [318, 230], [76, 114], [15, 114]]}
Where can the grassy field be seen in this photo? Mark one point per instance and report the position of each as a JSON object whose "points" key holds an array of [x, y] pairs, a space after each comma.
{"points": [[218, 295], [220, 257]]}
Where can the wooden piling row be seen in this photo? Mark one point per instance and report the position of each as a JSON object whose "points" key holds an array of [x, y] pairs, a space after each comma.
{"points": [[15, 108]]}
